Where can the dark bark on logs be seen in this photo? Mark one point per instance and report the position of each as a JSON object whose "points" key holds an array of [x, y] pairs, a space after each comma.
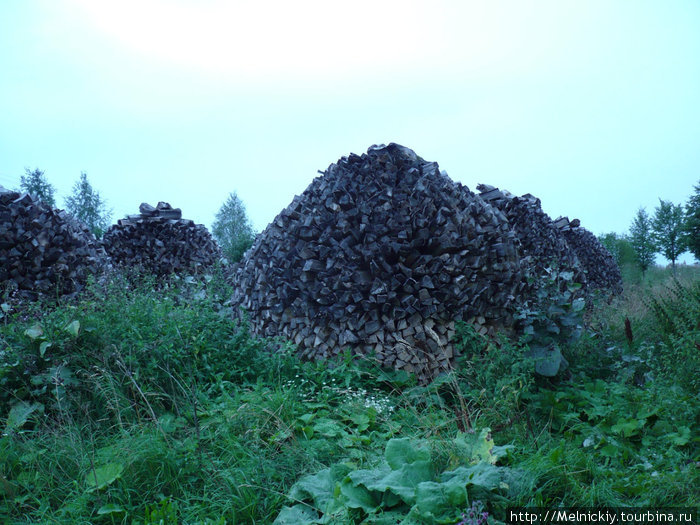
{"points": [[161, 242], [543, 246], [381, 254], [44, 251], [602, 271]]}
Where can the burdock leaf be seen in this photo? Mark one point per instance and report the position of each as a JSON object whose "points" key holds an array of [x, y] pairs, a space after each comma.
{"points": [[73, 328], [103, 476], [34, 332]]}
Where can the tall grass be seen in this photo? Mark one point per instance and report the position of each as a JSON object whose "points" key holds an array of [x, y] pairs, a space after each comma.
{"points": [[156, 408]]}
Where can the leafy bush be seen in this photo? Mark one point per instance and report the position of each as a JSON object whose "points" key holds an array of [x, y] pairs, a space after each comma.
{"points": [[677, 315], [406, 486], [134, 349], [550, 320], [634, 441]]}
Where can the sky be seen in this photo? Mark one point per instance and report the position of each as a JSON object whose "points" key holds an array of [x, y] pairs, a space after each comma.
{"points": [[592, 106]]}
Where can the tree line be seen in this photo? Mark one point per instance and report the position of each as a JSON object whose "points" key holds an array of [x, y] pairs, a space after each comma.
{"points": [[672, 230], [84, 203], [231, 229]]}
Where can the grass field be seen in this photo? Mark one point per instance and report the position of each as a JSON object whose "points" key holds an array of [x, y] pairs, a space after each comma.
{"points": [[145, 405]]}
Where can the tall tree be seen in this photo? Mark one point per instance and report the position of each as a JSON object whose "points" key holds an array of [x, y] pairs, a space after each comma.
{"points": [[619, 247], [668, 230], [86, 205], [232, 229], [34, 183], [692, 222], [641, 240]]}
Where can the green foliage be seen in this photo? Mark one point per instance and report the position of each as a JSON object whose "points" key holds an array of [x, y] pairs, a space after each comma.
{"points": [[103, 476], [128, 340], [407, 485], [641, 240], [692, 222], [620, 246], [633, 441], [492, 376], [232, 229], [35, 183], [668, 230], [163, 513], [86, 205], [677, 314], [551, 319], [144, 404], [19, 415]]}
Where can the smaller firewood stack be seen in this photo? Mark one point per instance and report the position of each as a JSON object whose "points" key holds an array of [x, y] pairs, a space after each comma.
{"points": [[159, 240], [602, 271], [44, 251], [543, 246]]}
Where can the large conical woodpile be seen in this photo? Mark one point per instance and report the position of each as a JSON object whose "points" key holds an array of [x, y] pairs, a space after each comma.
{"points": [[380, 255], [42, 250], [159, 240], [543, 246], [602, 271]]}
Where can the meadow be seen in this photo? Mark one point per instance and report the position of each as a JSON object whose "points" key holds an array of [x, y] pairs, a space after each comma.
{"points": [[142, 403]]}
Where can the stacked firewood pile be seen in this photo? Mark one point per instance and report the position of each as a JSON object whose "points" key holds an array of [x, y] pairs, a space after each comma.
{"points": [[44, 251], [543, 246], [160, 241], [602, 271], [381, 254]]}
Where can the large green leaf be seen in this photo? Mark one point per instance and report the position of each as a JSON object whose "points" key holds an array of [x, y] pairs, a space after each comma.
{"points": [[486, 481], [439, 502], [110, 508], [358, 496], [681, 437], [482, 474], [320, 488], [473, 448], [627, 427], [361, 420], [548, 359], [297, 515], [19, 415], [405, 488], [386, 487], [73, 328], [43, 347], [403, 481], [103, 476], [400, 451], [34, 332], [391, 517], [328, 428], [578, 304]]}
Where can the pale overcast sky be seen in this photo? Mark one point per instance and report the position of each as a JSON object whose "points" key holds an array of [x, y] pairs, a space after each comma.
{"points": [[593, 106]]}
